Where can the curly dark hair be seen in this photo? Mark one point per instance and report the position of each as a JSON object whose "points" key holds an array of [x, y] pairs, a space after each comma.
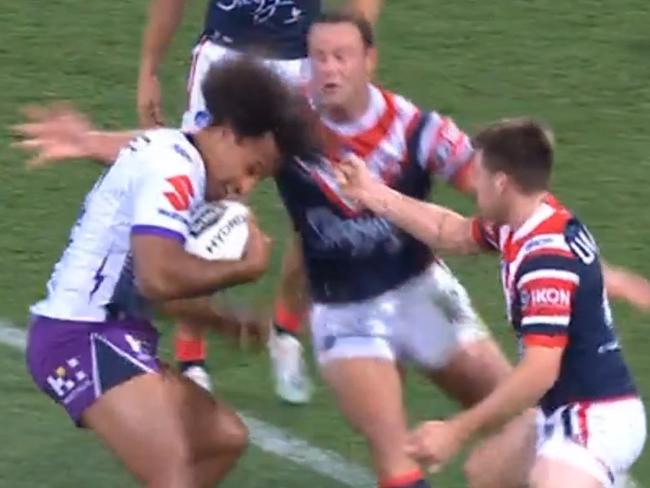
{"points": [[253, 100]]}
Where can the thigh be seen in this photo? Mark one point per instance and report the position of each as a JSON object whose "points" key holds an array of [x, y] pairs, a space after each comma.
{"points": [[603, 439], [75, 363], [550, 473], [505, 458], [369, 394], [162, 427], [205, 54], [472, 372], [437, 318], [141, 425], [353, 331]]}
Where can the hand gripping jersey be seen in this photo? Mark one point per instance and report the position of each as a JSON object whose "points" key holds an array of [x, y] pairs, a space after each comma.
{"points": [[351, 255], [274, 28], [555, 297], [154, 185]]}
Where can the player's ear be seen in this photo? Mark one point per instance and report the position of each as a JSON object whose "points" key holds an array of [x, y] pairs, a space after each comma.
{"points": [[371, 61], [501, 181]]}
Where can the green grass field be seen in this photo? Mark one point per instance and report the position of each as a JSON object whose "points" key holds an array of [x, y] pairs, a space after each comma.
{"points": [[582, 65]]}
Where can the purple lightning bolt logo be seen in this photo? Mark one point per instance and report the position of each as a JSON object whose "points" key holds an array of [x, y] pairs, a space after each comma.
{"points": [[99, 277]]}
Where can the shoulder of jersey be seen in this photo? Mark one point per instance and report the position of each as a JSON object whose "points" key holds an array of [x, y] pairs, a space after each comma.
{"points": [[171, 145], [405, 108], [571, 236]]}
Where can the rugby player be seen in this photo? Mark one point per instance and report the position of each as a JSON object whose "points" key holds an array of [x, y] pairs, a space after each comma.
{"points": [[92, 347], [275, 29], [381, 298], [592, 424]]}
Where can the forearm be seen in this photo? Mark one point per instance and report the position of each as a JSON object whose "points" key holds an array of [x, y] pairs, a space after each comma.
{"points": [[370, 9], [164, 18], [104, 146], [293, 293], [522, 389], [199, 312], [439, 227], [187, 276]]}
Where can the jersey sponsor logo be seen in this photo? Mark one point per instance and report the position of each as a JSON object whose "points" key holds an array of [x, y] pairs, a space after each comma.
{"points": [[546, 297], [263, 10], [182, 194], [173, 215], [68, 380], [359, 236]]}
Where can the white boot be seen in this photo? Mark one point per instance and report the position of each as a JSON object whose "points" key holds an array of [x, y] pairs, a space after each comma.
{"points": [[200, 376], [292, 383]]}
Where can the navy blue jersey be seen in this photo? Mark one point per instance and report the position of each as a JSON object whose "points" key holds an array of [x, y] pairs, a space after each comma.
{"points": [[273, 28], [351, 255], [556, 297]]}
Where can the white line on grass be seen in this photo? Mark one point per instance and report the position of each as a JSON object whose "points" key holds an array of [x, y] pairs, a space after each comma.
{"points": [[265, 436], [279, 442]]}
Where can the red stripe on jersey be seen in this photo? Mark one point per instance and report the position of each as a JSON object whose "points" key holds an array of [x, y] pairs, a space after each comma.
{"points": [[190, 80], [583, 425], [463, 179], [452, 135], [332, 196], [546, 310], [548, 251], [549, 282], [365, 143], [482, 235], [542, 340]]}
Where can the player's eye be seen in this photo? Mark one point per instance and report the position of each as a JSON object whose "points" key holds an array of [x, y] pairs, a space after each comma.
{"points": [[255, 169]]}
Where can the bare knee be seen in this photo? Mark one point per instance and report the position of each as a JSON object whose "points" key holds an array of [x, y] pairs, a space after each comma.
{"points": [[230, 434], [478, 474], [174, 468]]}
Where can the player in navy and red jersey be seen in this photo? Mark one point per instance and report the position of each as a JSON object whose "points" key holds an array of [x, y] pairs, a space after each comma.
{"points": [[591, 421], [277, 30]]}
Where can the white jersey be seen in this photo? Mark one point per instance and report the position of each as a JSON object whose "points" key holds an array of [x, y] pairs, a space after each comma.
{"points": [[156, 182]]}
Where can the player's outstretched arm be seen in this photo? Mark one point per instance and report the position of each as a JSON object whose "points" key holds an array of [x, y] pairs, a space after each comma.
{"points": [[292, 296], [626, 285], [441, 228], [165, 271], [58, 132], [203, 313], [434, 443], [164, 18], [370, 9]]}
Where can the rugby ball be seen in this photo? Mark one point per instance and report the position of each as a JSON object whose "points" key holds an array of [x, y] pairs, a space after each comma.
{"points": [[219, 231]]}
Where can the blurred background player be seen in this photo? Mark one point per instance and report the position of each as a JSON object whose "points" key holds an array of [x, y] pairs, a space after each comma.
{"points": [[591, 421], [92, 347], [276, 30]]}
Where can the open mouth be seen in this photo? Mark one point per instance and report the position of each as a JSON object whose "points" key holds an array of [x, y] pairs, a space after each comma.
{"points": [[330, 87]]}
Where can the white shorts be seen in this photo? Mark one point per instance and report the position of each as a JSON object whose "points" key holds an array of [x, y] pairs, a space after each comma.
{"points": [[601, 438], [294, 71], [423, 322]]}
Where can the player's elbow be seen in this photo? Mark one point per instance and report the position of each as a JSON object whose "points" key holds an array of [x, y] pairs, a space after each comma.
{"points": [[544, 366], [158, 285], [547, 378]]}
